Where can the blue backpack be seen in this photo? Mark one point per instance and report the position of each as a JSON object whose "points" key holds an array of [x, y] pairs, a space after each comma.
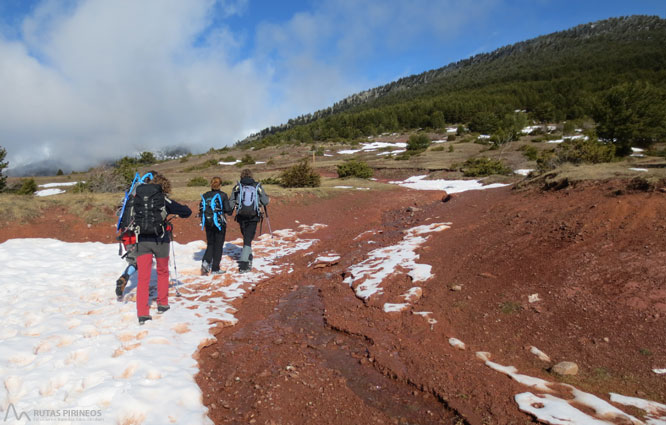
{"points": [[212, 210]]}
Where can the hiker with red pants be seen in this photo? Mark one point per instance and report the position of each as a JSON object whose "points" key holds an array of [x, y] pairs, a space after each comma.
{"points": [[151, 207]]}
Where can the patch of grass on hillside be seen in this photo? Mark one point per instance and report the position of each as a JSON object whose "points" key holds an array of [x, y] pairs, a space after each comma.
{"points": [[198, 181], [206, 164]]}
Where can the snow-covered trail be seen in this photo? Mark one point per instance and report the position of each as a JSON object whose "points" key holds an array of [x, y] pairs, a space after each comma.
{"points": [[70, 352]]}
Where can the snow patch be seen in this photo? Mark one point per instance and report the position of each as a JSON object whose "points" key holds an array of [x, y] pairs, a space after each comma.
{"points": [[547, 407], [57, 184], [49, 192], [70, 345], [371, 147], [450, 186], [523, 171], [366, 277]]}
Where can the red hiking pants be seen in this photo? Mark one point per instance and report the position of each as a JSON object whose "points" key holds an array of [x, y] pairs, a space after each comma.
{"points": [[145, 265]]}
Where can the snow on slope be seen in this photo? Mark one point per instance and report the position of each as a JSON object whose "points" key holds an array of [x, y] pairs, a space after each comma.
{"points": [[67, 345]]}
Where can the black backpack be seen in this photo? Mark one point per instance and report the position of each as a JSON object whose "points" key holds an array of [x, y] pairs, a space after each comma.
{"points": [[126, 211], [211, 209], [247, 201], [149, 210]]}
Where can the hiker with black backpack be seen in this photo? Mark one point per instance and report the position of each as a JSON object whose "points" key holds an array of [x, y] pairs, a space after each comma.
{"points": [[212, 208], [150, 208], [248, 197]]}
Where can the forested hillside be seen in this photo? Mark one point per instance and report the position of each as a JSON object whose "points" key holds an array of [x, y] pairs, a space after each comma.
{"points": [[581, 72]]}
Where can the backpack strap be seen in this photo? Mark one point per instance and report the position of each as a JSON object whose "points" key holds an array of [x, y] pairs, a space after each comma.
{"points": [[216, 221], [239, 193], [127, 194], [203, 212], [256, 198]]}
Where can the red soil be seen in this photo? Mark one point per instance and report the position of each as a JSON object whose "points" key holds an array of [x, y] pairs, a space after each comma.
{"points": [[307, 350]]}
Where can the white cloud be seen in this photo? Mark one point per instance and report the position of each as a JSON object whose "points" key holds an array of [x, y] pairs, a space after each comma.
{"points": [[97, 79], [316, 53], [116, 77]]}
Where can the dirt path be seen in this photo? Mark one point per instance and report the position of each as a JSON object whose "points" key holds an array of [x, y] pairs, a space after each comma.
{"points": [[307, 349], [579, 273]]}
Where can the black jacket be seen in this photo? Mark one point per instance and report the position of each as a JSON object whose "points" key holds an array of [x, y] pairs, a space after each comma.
{"points": [[227, 207]]}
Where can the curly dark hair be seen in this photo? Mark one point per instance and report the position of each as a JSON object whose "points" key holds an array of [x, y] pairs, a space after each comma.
{"points": [[162, 181]]}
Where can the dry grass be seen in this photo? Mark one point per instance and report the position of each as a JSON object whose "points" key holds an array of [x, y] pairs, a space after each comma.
{"points": [[91, 207]]}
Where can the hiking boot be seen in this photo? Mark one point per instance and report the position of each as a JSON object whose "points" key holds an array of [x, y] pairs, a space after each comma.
{"points": [[205, 268], [144, 319], [243, 267], [218, 272], [120, 285], [250, 262], [162, 308]]}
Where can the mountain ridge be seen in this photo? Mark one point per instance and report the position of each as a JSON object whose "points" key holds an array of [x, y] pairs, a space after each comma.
{"points": [[620, 33]]}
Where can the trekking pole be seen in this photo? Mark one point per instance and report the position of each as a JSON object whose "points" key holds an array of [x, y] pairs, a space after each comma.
{"points": [[268, 221], [173, 255]]}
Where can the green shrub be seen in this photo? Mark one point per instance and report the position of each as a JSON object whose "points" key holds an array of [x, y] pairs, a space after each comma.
{"points": [[207, 164], [198, 181], [530, 152], [147, 158], [246, 160], [483, 166], [300, 175], [418, 142], [28, 187], [450, 148], [354, 168], [577, 151], [655, 152], [271, 180], [404, 156], [228, 158], [451, 138], [81, 187], [439, 148]]}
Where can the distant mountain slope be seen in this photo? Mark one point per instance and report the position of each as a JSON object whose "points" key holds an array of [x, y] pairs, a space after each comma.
{"points": [[553, 77]]}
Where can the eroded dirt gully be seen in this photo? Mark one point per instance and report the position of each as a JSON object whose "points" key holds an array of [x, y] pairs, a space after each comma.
{"points": [[307, 350]]}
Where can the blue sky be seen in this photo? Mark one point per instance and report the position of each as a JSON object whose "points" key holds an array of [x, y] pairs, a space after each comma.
{"points": [[95, 79]]}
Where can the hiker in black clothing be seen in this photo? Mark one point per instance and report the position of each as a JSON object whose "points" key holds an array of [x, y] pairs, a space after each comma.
{"points": [[153, 239], [212, 208], [247, 197]]}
